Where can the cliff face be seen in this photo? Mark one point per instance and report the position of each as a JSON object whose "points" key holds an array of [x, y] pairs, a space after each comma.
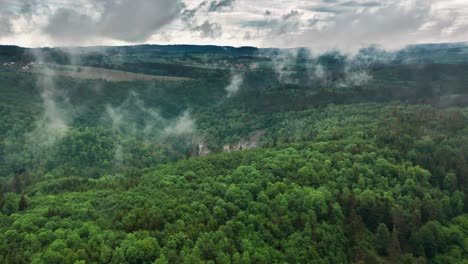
{"points": [[200, 146], [202, 149], [249, 142]]}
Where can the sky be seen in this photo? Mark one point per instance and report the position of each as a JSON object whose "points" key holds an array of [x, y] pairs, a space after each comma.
{"points": [[317, 24]]}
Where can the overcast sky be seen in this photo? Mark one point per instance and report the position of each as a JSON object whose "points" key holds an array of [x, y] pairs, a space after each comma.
{"points": [[318, 24]]}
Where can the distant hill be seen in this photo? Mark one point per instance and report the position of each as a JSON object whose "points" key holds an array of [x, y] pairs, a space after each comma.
{"points": [[434, 53]]}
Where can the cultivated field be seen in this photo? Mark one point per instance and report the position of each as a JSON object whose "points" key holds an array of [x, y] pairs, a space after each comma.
{"points": [[93, 73]]}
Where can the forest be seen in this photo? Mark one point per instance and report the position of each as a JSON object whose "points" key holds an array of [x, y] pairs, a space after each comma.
{"points": [[255, 156]]}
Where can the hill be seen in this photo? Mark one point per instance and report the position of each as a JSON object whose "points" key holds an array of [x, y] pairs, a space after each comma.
{"points": [[236, 155]]}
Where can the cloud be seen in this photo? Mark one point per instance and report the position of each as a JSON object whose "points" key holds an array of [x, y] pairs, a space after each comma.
{"points": [[359, 4], [206, 29], [126, 20], [286, 23], [67, 25], [209, 30], [390, 24], [220, 5], [326, 9], [336, 7], [6, 17], [319, 24], [137, 20], [5, 26]]}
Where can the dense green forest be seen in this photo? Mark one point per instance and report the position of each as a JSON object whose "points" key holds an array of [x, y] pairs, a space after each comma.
{"points": [[272, 156]]}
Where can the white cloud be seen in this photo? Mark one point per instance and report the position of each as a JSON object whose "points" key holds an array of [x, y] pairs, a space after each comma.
{"points": [[319, 24]]}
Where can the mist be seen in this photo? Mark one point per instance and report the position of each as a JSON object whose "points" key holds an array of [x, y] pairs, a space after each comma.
{"points": [[58, 114], [329, 69], [235, 84], [271, 132]]}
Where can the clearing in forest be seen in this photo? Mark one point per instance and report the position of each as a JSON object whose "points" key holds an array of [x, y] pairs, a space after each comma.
{"points": [[94, 73]]}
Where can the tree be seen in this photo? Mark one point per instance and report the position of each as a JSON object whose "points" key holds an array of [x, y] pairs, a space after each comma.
{"points": [[23, 203], [382, 239], [11, 204], [2, 197], [17, 183], [428, 240]]}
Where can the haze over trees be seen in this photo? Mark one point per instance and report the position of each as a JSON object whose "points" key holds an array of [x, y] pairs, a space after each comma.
{"points": [[232, 155]]}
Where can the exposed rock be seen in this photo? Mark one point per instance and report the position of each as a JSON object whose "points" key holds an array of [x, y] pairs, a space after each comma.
{"points": [[249, 142], [203, 149], [200, 148]]}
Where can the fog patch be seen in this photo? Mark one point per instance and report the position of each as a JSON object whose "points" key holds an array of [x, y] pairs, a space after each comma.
{"points": [[282, 62], [357, 78], [234, 86], [134, 119], [115, 116], [331, 69], [58, 113], [184, 125]]}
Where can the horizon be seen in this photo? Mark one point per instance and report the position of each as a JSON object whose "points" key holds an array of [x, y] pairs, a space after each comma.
{"points": [[318, 25], [235, 47]]}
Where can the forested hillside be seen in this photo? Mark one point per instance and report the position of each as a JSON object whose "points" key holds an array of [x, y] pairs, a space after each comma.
{"points": [[242, 156]]}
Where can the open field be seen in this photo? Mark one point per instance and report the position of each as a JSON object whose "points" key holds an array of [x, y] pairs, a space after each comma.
{"points": [[93, 73]]}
